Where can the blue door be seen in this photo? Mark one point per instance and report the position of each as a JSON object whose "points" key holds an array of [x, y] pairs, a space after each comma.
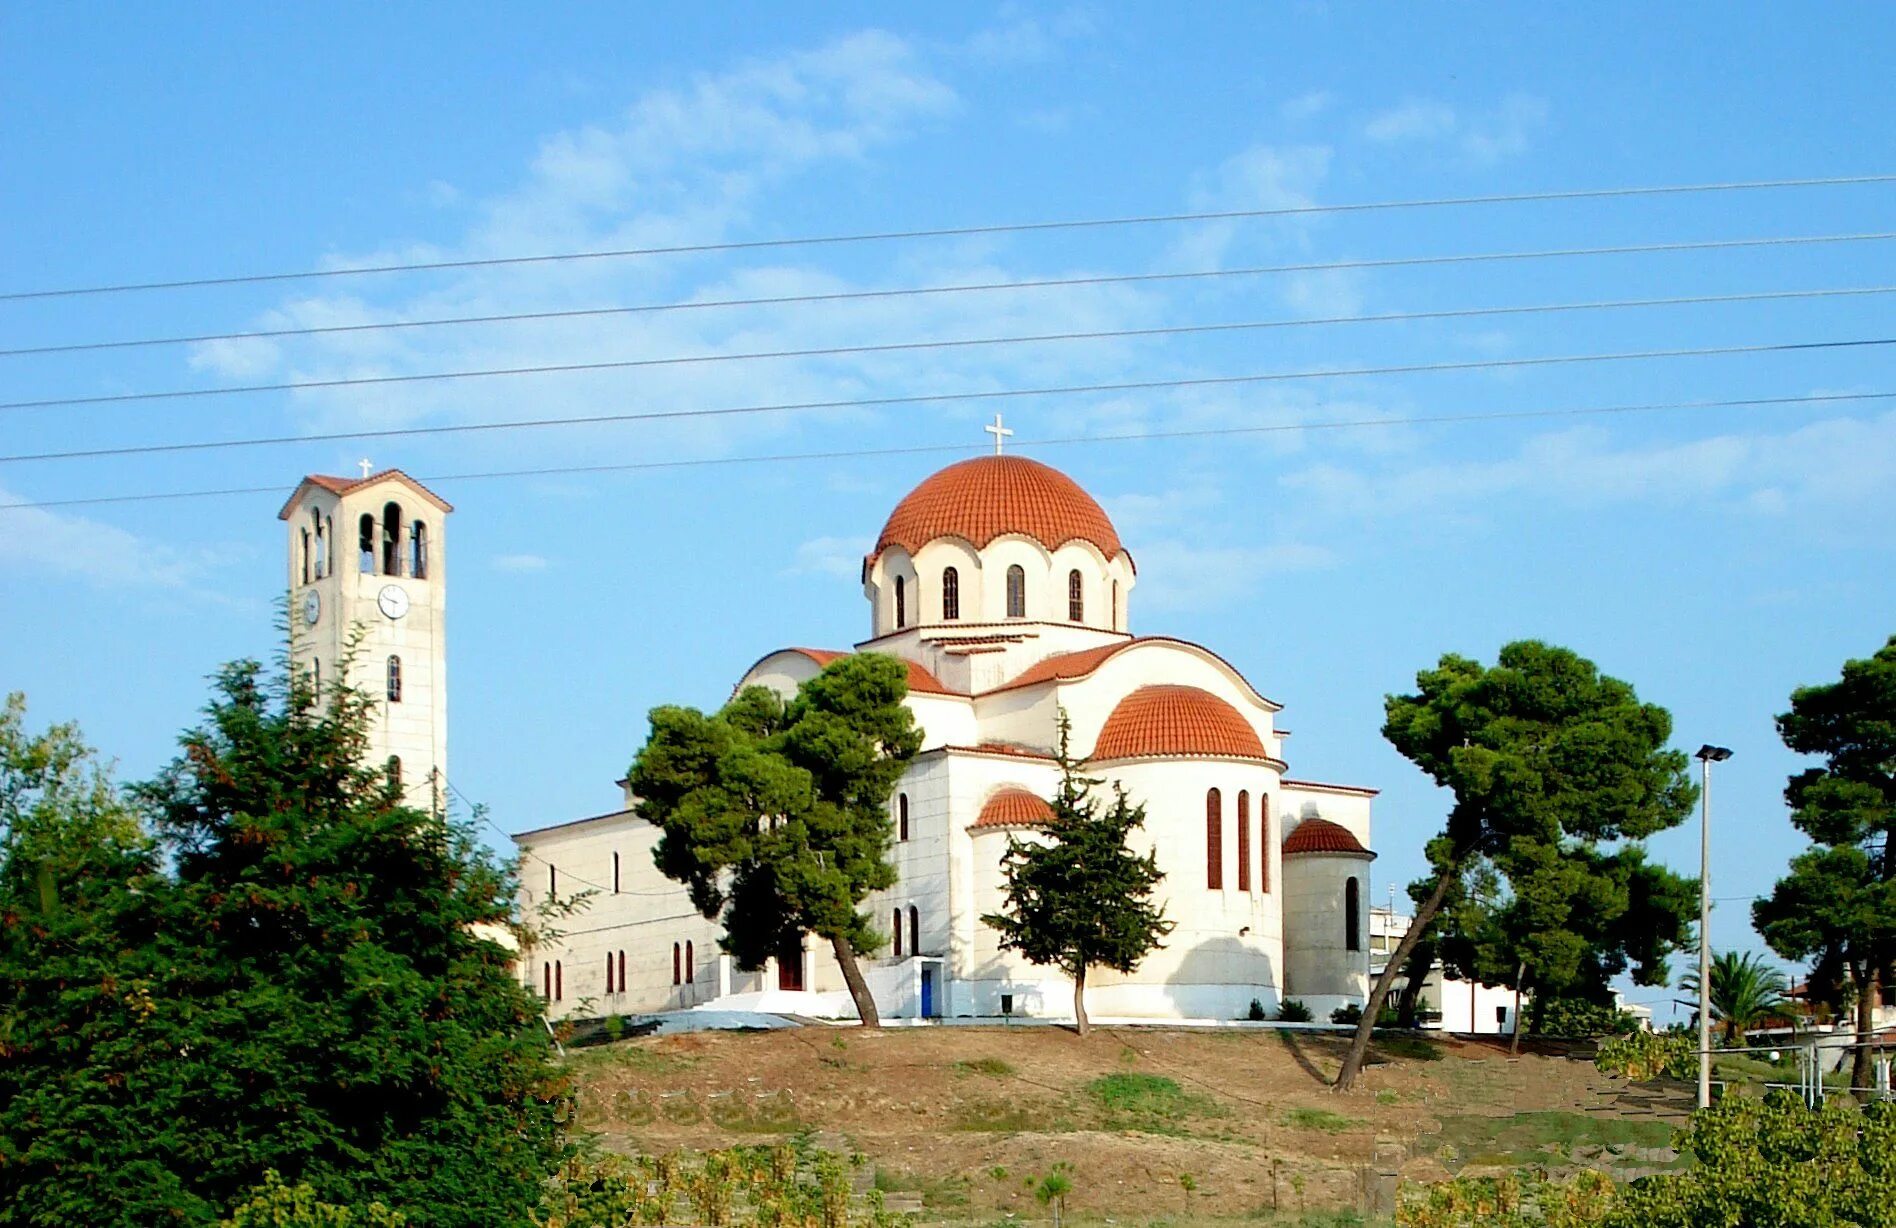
{"points": [[928, 994]]}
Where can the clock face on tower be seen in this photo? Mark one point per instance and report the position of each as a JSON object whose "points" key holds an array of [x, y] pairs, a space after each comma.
{"points": [[392, 601], [312, 607]]}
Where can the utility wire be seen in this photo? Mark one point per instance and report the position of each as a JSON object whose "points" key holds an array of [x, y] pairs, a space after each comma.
{"points": [[953, 232], [519, 424], [1166, 330], [844, 296], [1055, 441]]}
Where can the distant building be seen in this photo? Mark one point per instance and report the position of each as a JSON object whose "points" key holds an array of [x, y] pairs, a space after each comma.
{"points": [[1448, 1004]]}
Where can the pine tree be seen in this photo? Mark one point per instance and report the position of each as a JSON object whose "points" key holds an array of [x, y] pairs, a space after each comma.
{"points": [[776, 816], [1081, 898], [296, 986]]}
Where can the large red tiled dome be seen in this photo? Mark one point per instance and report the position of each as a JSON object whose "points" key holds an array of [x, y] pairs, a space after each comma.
{"points": [[1176, 720], [1013, 806], [1323, 836], [990, 496]]}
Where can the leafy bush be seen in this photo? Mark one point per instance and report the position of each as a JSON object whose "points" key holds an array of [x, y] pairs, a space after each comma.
{"points": [[1576, 1018], [1349, 1013], [1256, 1013], [1649, 1055], [1293, 1011], [275, 1205]]}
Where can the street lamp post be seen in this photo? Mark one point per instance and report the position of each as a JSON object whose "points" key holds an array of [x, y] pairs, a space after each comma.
{"points": [[1707, 756]]}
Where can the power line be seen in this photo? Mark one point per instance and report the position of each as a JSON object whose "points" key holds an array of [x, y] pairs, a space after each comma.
{"points": [[843, 296], [1055, 441], [797, 406], [1165, 330], [952, 232]]}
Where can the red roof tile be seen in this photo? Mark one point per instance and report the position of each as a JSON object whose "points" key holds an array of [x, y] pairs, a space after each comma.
{"points": [[1012, 806], [1167, 719], [342, 486], [1323, 836], [984, 498], [919, 679]]}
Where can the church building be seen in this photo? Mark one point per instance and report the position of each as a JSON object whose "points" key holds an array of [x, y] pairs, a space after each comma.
{"points": [[1007, 591]]}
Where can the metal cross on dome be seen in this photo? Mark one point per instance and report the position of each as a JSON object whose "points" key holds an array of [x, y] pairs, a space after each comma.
{"points": [[999, 432]]}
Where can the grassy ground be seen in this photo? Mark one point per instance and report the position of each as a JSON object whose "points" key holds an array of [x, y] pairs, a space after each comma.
{"points": [[1152, 1126]]}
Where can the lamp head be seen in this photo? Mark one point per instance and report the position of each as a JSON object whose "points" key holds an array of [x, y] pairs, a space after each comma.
{"points": [[1712, 754]]}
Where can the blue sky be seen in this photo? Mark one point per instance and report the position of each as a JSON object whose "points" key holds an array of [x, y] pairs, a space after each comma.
{"points": [[1716, 558]]}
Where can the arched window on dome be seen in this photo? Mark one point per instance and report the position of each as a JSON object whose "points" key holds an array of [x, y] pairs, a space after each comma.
{"points": [[1112, 615], [1016, 591], [901, 603], [1244, 840], [950, 595], [1076, 599], [1214, 840], [1352, 915], [391, 539]]}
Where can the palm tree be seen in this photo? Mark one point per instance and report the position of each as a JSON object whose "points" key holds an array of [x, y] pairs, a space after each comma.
{"points": [[1745, 991]]}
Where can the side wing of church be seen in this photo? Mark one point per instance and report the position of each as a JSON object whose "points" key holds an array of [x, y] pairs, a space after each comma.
{"points": [[1005, 588]]}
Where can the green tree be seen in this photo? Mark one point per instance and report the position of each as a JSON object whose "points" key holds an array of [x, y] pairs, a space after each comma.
{"points": [[299, 988], [1745, 992], [1837, 906], [776, 816], [1080, 898], [1543, 756]]}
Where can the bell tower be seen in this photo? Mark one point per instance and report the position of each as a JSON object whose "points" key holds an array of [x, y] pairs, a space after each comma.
{"points": [[368, 565]]}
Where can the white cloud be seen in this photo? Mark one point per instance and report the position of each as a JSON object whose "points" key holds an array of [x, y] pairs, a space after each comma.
{"points": [[519, 562], [1306, 106], [1024, 38], [830, 556], [1482, 138], [49, 541]]}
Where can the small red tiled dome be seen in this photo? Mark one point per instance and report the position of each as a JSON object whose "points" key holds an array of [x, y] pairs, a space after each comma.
{"points": [[1176, 720], [1323, 836], [990, 496], [1014, 807]]}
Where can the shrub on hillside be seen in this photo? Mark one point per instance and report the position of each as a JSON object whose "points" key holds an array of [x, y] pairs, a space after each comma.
{"points": [[275, 1205], [1578, 1019], [1649, 1055], [1293, 1011]]}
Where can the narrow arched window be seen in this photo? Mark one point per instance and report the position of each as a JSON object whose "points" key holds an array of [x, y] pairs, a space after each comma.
{"points": [[1076, 597], [559, 981], [915, 930], [615, 874], [365, 544], [622, 970], [608, 971], [1244, 840], [394, 770], [1214, 840], [1352, 915], [950, 595], [1016, 592], [901, 602], [678, 956], [391, 539], [895, 936], [1112, 615], [691, 965], [1264, 844], [394, 680], [546, 981], [552, 879], [901, 816], [308, 556], [316, 674], [325, 533], [418, 550]]}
